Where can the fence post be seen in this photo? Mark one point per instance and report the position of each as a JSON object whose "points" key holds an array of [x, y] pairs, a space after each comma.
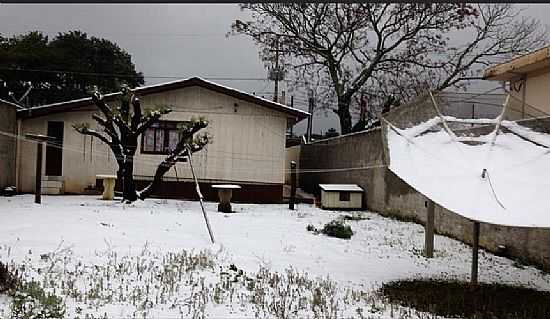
{"points": [[38, 183], [475, 250], [40, 139], [429, 230], [292, 185]]}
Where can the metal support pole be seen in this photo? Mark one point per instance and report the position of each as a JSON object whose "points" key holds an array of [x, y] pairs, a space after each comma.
{"points": [[38, 184], [197, 188], [429, 230], [473, 112], [292, 185], [475, 250]]}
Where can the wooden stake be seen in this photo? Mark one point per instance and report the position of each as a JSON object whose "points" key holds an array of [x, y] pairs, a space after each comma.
{"points": [[38, 184], [429, 230], [197, 188], [475, 249], [292, 185]]}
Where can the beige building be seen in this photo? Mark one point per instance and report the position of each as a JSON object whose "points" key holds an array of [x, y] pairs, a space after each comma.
{"points": [[248, 145], [528, 79]]}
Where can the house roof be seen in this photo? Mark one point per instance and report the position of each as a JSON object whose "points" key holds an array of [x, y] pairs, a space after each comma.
{"points": [[9, 103], [519, 66], [162, 87], [341, 187]]}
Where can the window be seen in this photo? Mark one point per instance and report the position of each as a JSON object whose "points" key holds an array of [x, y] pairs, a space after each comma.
{"points": [[161, 138], [344, 196]]}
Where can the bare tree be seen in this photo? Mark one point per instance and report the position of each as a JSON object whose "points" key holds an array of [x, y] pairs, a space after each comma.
{"points": [[120, 130], [352, 46]]}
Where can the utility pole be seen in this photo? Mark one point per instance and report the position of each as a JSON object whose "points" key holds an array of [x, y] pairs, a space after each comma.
{"points": [[311, 107], [276, 93], [276, 73], [292, 106]]}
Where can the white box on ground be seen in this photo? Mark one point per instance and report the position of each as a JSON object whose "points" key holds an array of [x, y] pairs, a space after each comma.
{"points": [[341, 196]]}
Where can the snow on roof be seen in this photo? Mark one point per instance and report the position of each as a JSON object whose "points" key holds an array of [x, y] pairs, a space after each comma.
{"points": [[513, 191], [341, 187], [155, 88]]}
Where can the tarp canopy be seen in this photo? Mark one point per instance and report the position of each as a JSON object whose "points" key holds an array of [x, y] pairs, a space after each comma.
{"points": [[505, 183]]}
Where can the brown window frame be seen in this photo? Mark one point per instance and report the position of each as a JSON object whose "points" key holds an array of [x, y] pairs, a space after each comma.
{"points": [[166, 127], [344, 196]]}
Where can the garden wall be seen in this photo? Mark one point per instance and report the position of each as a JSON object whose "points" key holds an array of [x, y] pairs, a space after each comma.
{"points": [[7, 144], [356, 158]]}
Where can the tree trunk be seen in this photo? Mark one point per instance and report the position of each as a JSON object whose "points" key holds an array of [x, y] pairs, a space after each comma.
{"points": [[161, 170], [344, 115], [128, 187]]}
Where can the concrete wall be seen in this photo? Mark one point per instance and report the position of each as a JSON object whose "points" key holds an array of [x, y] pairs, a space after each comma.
{"points": [[8, 127], [248, 142], [355, 159]]}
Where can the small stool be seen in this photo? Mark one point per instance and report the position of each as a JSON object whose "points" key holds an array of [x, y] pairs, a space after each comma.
{"points": [[225, 192], [108, 186]]}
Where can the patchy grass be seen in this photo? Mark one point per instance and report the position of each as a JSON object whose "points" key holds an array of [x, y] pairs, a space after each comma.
{"points": [[30, 301], [460, 299]]}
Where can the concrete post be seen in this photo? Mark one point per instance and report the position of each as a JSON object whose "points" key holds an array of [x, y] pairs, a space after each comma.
{"points": [[292, 185]]}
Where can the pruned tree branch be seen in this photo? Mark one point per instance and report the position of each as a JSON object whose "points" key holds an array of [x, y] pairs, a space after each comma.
{"points": [[351, 46]]}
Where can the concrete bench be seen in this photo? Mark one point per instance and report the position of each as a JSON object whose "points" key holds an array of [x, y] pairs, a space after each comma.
{"points": [[225, 192], [108, 186]]}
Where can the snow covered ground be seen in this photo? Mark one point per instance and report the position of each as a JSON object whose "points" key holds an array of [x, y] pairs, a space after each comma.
{"points": [[78, 237]]}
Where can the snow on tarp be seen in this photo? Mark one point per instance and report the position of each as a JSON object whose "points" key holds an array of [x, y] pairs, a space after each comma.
{"points": [[514, 191]]}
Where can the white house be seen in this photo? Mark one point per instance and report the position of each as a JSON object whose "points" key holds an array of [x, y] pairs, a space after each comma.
{"points": [[248, 145]]}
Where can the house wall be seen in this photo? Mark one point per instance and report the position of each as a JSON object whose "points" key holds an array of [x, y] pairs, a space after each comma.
{"points": [[358, 156], [248, 143], [537, 96], [7, 144], [332, 200]]}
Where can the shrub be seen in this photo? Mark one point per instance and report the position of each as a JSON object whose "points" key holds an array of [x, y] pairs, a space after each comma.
{"points": [[337, 228], [8, 280], [32, 302], [355, 217], [311, 228]]}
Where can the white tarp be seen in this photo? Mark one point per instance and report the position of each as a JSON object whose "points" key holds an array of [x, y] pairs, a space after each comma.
{"points": [[514, 192]]}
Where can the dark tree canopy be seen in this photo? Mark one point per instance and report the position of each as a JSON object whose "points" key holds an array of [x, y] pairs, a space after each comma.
{"points": [[85, 62]]}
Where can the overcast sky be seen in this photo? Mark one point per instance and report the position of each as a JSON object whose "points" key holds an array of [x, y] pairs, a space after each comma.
{"points": [[181, 40]]}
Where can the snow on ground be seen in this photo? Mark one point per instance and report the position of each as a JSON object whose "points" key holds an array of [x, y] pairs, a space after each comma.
{"points": [[83, 229]]}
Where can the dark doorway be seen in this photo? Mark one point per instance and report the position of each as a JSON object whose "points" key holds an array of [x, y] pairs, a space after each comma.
{"points": [[54, 149]]}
